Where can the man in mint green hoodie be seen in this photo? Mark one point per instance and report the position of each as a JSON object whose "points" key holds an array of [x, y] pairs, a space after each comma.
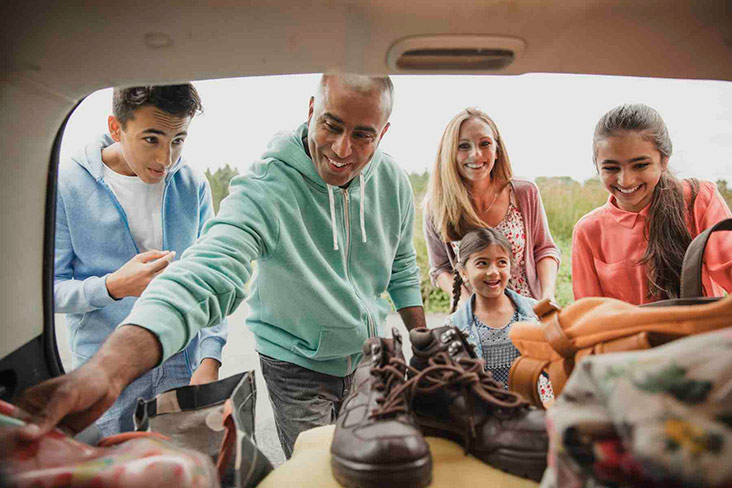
{"points": [[329, 218]]}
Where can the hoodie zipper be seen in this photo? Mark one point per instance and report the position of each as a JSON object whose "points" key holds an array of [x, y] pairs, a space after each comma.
{"points": [[121, 213], [370, 329], [162, 212]]}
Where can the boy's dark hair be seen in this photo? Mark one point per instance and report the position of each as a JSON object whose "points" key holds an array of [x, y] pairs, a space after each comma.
{"points": [[474, 241], [178, 100]]}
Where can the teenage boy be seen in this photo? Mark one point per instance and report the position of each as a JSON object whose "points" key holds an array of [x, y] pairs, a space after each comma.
{"points": [[329, 218], [127, 206]]}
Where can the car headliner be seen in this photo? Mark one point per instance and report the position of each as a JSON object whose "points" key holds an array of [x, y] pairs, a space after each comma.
{"points": [[55, 53]]}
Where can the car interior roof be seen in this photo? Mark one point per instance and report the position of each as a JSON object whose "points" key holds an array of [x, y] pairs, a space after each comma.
{"points": [[56, 53]]}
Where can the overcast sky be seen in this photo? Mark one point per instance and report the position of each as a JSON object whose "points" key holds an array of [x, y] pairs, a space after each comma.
{"points": [[546, 120]]}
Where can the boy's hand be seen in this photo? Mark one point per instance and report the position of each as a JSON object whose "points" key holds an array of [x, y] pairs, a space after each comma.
{"points": [[133, 277], [207, 372]]}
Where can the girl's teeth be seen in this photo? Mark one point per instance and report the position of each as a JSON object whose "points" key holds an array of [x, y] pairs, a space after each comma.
{"points": [[628, 191], [474, 166]]}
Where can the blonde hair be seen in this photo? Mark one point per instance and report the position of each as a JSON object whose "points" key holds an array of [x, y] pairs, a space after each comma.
{"points": [[448, 200]]}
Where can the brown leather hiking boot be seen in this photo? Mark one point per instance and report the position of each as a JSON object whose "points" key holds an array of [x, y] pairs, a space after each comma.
{"points": [[376, 441], [455, 398]]}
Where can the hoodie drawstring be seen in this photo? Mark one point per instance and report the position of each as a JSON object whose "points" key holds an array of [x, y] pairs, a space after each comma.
{"points": [[362, 217], [361, 183], [332, 217]]}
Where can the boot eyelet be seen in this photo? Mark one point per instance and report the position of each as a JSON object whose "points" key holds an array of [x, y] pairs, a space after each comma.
{"points": [[447, 336], [453, 348], [375, 353]]}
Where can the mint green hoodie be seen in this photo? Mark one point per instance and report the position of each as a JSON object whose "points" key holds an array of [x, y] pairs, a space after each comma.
{"points": [[311, 304]]}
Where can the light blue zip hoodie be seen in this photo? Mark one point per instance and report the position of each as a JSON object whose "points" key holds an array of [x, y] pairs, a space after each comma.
{"points": [[325, 256], [93, 239], [463, 317]]}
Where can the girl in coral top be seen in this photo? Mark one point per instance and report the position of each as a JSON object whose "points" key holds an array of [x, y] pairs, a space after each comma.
{"points": [[632, 248]]}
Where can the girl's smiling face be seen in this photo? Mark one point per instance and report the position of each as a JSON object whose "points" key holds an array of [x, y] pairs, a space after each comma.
{"points": [[488, 271], [630, 167]]}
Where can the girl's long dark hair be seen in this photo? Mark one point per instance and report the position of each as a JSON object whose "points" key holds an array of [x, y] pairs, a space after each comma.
{"points": [[667, 228], [475, 241]]}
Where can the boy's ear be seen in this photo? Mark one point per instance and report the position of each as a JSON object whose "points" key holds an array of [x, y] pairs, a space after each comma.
{"points": [[114, 127]]}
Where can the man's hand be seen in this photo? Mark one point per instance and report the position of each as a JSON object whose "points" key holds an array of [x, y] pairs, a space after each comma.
{"points": [[133, 277], [207, 372], [413, 317], [77, 399]]}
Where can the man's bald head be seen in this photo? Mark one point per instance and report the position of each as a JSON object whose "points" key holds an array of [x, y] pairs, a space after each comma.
{"points": [[360, 84], [347, 118]]}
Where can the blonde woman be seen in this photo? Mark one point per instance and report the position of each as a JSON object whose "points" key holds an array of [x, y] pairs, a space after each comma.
{"points": [[472, 186]]}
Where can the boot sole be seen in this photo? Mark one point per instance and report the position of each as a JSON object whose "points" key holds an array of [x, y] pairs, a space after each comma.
{"points": [[351, 474], [530, 465]]}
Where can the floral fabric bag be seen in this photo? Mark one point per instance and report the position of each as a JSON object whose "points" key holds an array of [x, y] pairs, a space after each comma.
{"points": [[124, 460], [655, 418]]}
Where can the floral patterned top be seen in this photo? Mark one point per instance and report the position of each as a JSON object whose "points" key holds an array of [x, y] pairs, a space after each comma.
{"points": [[512, 226]]}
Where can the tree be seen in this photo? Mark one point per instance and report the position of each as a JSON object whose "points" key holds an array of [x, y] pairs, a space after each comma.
{"points": [[725, 191], [219, 182]]}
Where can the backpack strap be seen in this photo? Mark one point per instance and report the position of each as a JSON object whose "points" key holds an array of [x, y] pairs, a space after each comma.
{"points": [[548, 313], [691, 270], [523, 378]]}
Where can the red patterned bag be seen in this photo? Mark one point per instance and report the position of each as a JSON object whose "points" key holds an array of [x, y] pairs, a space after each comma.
{"points": [[125, 460]]}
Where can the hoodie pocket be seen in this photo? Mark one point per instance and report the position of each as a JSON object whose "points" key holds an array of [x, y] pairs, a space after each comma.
{"points": [[334, 342]]}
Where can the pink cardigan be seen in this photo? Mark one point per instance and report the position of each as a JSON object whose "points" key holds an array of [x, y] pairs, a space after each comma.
{"points": [[538, 238], [608, 242]]}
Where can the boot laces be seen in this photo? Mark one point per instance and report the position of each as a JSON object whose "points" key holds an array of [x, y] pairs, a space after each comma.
{"points": [[390, 381], [468, 375]]}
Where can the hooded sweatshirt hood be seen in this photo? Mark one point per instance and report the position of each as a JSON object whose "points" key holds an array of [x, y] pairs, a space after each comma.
{"points": [[291, 149]]}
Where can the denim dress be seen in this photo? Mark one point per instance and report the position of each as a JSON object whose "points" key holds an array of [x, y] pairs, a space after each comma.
{"points": [[494, 345]]}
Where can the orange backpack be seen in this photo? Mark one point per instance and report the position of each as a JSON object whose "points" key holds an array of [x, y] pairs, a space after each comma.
{"points": [[599, 325]]}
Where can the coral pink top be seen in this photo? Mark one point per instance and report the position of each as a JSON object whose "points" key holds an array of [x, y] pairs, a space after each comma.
{"points": [[608, 242]]}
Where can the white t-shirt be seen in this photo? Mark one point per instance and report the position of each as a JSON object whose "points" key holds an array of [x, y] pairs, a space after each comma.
{"points": [[142, 202]]}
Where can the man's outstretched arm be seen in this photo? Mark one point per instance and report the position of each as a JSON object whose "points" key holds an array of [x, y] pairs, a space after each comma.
{"points": [[77, 399]]}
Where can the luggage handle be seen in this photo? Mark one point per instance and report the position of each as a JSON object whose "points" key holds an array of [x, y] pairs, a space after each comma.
{"points": [[691, 270]]}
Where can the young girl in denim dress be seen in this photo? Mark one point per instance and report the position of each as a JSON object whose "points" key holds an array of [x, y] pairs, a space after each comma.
{"points": [[484, 262]]}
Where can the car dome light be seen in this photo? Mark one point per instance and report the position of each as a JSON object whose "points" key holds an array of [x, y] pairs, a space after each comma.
{"points": [[453, 54]]}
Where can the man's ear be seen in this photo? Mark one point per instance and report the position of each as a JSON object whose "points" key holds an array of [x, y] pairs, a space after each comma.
{"points": [[114, 128], [311, 108], [383, 131]]}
